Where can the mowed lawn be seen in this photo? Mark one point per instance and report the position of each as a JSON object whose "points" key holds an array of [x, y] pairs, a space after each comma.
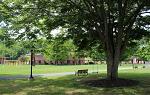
{"points": [[70, 85], [42, 69]]}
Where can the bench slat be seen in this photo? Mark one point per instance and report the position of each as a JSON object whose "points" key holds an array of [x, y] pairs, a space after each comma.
{"points": [[84, 71]]}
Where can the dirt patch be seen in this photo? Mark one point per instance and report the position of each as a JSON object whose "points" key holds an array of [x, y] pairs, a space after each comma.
{"points": [[120, 82]]}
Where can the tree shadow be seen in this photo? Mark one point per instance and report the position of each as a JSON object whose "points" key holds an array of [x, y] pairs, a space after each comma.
{"points": [[12, 77], [39, 86], [68, 85]]}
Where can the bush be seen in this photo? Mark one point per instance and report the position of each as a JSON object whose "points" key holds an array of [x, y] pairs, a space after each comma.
{"points": [[91, 63], [46, 63]]}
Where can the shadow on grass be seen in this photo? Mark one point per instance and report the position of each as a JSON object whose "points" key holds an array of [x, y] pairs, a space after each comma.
{"points": [[68, 85], [44, 86], [12, 77], [120, 82]]}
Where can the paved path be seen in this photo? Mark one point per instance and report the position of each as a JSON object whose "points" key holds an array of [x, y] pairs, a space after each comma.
{"points": [[46, 75], [34, 75]]}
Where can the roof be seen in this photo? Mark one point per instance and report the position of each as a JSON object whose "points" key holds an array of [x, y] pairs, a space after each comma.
{"points": [[39, 57], [29, 54], [136, 57]]}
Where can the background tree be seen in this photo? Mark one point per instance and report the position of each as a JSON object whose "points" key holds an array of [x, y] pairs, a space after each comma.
{"points": [[59, 50], [143, 49], [97, 55]]}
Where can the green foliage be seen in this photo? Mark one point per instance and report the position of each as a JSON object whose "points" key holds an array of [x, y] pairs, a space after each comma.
{"points": [[139, 48], [59, 50], [143, 50], [13, 51], [80, 19], [97, 53]]}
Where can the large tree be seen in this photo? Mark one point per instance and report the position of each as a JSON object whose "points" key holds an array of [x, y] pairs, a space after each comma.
{"points": [[112, 23]]}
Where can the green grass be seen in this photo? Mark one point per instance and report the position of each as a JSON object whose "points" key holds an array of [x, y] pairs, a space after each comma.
{"points": [[69, 85], [40, 69]]}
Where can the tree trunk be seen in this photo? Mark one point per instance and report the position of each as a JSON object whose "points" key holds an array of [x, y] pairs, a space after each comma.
{"points": [[112, 67], [112, 71]]}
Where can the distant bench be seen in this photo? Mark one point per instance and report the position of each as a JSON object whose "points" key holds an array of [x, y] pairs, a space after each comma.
{"points": [[81, 72]]}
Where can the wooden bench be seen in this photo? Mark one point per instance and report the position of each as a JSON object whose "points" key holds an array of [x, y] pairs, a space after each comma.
{"points": [[82, 72]]}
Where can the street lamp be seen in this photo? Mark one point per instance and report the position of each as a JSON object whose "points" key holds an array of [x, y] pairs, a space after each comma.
{"points": [[32, 62]]}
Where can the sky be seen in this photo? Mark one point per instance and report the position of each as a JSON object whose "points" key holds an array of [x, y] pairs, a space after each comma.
{"points": [[55, 32]]}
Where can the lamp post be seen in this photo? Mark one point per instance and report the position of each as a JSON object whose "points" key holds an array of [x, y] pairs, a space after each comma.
{"points": [[32, 62]]}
